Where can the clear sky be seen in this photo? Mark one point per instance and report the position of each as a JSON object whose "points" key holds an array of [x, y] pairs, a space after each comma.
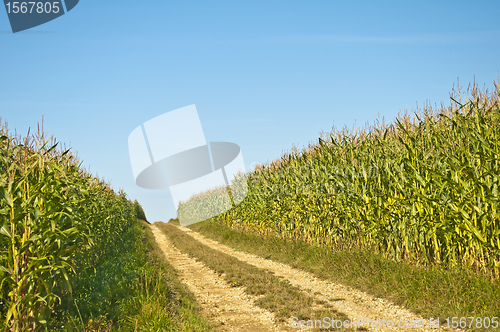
{"points": [[265, 75]]}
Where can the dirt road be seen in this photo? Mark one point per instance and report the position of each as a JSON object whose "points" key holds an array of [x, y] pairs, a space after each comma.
{"points": [[235, 310]]}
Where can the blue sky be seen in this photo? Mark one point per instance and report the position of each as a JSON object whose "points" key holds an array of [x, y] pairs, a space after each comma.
{"points": [[266, 75]]}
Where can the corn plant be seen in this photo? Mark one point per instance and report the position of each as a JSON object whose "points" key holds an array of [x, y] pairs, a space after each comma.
{"points": [[422, 189], [55, 220]]}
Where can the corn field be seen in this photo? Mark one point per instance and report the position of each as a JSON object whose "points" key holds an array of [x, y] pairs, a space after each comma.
{"points": [[422, 189], [204, 205], [55, 220]]}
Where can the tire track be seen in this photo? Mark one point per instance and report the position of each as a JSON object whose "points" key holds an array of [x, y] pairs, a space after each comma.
{"points": [[229, 306], [350, 301]]}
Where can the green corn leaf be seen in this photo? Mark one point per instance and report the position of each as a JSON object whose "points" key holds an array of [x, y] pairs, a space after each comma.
{"points": [[4, 269], [5, 195], [4, 230]]}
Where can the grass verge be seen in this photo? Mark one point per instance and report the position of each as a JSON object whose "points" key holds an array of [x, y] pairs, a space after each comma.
{"points": [[135, 291], [427, 291], [275, 294]]}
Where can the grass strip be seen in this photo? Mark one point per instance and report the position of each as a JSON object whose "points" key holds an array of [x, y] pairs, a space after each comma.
{"points": [[136, 291], [169, 298], [275, 294], [427, 291]]}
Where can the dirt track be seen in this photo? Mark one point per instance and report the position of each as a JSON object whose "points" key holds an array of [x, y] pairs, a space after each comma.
{"points": [[229, 306], [238, 313]]}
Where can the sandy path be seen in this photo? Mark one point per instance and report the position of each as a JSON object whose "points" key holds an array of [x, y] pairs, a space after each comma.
{"points": [[352, 302], [229, 306]]}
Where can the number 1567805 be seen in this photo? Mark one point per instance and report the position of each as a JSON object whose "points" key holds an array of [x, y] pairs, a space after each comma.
{"points": [[33, 7]]}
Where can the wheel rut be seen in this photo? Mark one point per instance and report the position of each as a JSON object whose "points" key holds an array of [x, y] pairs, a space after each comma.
{"points": [[352, 302], [230, 307]]}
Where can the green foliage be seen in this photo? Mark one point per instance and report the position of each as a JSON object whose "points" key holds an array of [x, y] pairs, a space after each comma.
{"points": [[424, 189], [139, 212], [73, 255], [430, 291], [132, 289], [105, 281], [56, 222], [159, 301]]}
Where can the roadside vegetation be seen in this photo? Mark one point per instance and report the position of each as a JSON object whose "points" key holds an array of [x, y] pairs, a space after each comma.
{"points": [[73, 254], [407, 211], [136, 289], [423, 189], [430, 291]]}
